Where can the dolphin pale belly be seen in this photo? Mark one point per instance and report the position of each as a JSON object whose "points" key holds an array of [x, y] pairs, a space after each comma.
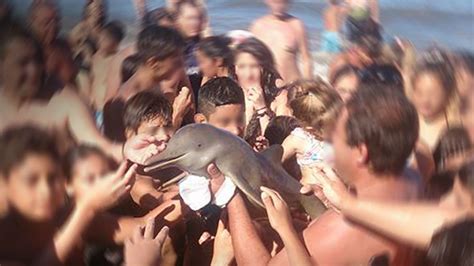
{"points": [[195, 146]]}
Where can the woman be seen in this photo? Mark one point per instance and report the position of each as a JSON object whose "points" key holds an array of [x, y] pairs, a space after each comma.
{"points": [[256, 73], [215, 57]]}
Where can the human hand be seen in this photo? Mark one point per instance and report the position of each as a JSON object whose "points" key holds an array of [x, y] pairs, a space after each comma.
{"points": [[109, 190], [144, 248], [277, 210], [257, 97], [328, 187], [261, 143], [142, 147], [223, 249], [183, 101], [217, 178]]}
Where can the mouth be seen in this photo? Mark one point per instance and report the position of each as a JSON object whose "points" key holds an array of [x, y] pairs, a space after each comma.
{"points": [[164, 163]]}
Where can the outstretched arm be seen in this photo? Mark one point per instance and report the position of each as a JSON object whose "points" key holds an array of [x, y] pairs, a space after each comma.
{"points": [[304, 48], [413, 223]]}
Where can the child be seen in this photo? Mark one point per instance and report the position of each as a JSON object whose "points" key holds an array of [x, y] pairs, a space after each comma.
{"points": [[148, 113], [155, 65], [331, 41], [34, 185], [316, 105], [109, 41], [221, 104]]}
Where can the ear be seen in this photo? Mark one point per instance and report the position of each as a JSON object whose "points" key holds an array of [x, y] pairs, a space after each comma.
{"points": [[200, 118], [153, 63], [362, 155], [129, 133], [220, 62]]}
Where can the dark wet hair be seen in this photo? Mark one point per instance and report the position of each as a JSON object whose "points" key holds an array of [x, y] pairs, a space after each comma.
{"points": [[129, 67], [79, 153], [159, 42], [218, 47], [146, 106], [386, 122], [343, 71], [279, 128], [452, 142], [437, 62], [153, 17], [218, 92], [115, 30], [453, 245], [265, 58], [465, 59], [18, 142], [365, 34], [382, 74]]}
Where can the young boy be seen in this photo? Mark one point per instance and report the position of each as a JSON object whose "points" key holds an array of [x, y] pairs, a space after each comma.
{"points": [[155, 65], [331, 41], [109, 41]]}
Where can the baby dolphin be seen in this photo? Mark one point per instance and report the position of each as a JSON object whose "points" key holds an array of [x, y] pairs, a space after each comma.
{"points": [[195, 146]]}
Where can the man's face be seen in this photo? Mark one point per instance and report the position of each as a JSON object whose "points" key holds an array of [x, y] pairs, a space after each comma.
{"points": [[35, 188], [45, 24], [160, 128], [345, 157], [229, 117], [278, 7], [21, 70]]}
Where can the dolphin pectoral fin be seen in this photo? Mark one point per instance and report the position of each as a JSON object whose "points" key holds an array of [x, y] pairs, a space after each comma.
{"points": [[242, 184], [312, 205], [273, 153]]}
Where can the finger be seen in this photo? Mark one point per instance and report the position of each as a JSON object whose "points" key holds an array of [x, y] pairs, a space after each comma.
{"points": [[161, 236], [330, 173], [149, 139], [306, 189], [267, 201], [129, 176], [120, 171], [149, 229], [272, 193], [206, 236], [213, 171], [137, 234]]}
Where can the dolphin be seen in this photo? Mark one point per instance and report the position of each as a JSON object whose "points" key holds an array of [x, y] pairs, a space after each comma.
{"points": [[195, 146]]}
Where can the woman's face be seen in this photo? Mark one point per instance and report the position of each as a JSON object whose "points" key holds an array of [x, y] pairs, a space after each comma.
{"points": [[346, 86], [429, 96], [190, 21], [248, 70], [208, 66], [86, 172]]}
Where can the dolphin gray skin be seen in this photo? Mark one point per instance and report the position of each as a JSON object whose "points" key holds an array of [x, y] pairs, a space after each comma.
{"points": [[195, 146]]}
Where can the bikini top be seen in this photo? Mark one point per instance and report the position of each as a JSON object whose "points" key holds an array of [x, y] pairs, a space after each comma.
{"points": [[314, 151]]}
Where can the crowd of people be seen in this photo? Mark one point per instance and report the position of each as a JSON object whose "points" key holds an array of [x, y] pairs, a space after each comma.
{"points": [[384, 140]]}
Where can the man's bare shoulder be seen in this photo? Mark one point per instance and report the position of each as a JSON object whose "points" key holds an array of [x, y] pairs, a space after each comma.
{"points": [[333, 240]]}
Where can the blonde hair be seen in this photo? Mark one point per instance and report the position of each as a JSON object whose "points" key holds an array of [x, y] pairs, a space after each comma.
{"points": [[315, 104]]}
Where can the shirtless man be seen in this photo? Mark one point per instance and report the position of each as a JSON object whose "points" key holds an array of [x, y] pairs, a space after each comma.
{"points": [[64, 113], [285, 35], [360, 141]]}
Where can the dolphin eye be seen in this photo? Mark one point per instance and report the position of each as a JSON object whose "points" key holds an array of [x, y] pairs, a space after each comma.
{"points": [[199, 145]]}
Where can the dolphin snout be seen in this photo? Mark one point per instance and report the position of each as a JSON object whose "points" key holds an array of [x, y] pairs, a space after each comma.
{"points": [[161, 161]]}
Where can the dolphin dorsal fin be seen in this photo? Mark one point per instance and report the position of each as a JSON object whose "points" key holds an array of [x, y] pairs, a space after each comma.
{"points": [[273, 153]]}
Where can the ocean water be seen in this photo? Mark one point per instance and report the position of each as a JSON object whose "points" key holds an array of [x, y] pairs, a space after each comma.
{"points": [[446, 23]]}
